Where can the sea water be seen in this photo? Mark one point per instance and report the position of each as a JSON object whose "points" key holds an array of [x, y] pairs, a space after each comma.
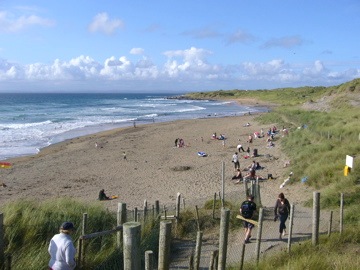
{"points": [[29, 122]]}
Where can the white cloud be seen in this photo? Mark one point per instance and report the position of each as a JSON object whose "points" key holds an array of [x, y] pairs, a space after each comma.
{"points": [[182, 67], [137, 51], [271, 67], [317, 69], [102, 23], [12, 24]]}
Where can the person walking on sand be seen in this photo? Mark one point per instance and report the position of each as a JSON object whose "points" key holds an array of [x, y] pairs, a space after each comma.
{"points": [[124, 155], [247, 210], [282, 211], [62, 250]]}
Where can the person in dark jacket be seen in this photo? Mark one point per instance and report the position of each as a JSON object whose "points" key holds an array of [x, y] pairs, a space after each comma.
{"points": [[281, 212], [102, 196]]}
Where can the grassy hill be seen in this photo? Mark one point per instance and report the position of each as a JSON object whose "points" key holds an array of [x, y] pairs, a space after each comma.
{"points": [[326, 125]]}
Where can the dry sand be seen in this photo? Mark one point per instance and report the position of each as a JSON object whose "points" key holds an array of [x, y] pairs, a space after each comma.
{"points": [[77, 169]]}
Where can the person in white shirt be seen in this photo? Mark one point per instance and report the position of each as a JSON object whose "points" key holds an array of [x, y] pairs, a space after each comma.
{"points": [[235, 160], [62, 250], [239, 147]]}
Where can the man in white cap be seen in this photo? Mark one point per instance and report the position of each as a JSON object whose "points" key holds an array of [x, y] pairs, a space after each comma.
{"points": [[62, 250]]}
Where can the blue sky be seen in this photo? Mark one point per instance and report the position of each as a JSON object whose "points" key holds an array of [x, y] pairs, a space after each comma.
{"points": [[176, 46]]}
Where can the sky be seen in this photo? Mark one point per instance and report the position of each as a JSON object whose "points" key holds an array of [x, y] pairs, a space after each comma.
{"points": [[176, 46]]}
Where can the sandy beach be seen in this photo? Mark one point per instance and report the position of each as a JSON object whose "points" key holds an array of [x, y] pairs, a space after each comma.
{"points": [[154, 169]]}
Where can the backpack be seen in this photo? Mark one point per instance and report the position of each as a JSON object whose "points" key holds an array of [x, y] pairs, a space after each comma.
{"points": [[247, 209]]}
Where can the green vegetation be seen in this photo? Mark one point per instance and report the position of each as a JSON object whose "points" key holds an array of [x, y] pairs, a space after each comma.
{"points": [[335, 252], [320, 138], [30, 225]]}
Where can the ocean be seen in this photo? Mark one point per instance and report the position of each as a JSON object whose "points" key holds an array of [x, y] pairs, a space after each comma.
{"points": [[30, 122]]}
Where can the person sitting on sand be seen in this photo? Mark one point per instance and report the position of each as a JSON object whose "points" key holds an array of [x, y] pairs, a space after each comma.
{"points": [[251, 175], [258, 167], [102, 196], [238, 175]]}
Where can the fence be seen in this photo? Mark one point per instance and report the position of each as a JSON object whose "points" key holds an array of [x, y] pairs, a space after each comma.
{"points": [[218, 254]]}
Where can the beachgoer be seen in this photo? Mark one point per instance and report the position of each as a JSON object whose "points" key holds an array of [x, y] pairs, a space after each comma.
{"points": [[124, 155], [282, 211], [239, 147], [258, 167], [102, 196], [247, 210], [62, 250], [250, 139], [235, 160], [248, 150], [238, 176], [252, 166], [251, 175], [176, 142]]}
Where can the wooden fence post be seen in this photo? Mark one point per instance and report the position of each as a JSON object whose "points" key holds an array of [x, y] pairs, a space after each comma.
{"points": [[198, 250], [121, 218], [131, 245], [149, 260], [330, 223], [223, 238], [242, 256], [135, 214], [213, 261], [259, 234], [157, 208], [145, 210], [223, 184], [2, 242], [341, 212], [214, 206], [291, 224], [191, 261], [164, 245], [246, 187], [178, 201], [316, 218], [82, 243], [197, 217]]}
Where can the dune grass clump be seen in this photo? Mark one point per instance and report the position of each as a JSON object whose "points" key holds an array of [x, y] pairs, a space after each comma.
{"points": [[29, 226], [339, 251]]}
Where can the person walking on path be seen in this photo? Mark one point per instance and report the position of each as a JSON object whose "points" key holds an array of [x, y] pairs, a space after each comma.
{"points": [[282, 211], [235, 160], [247, 210], [62, 250]]}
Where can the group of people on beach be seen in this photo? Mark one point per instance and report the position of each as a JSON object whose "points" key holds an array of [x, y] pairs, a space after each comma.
{"points": [[248, 213], [179, 142], [220, 137]]}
